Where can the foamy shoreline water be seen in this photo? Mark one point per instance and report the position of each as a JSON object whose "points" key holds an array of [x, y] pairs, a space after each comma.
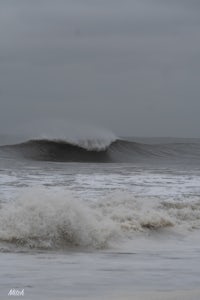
{"points": [[167, 269]]}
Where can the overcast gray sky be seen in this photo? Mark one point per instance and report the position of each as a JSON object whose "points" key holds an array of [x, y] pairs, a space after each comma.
{"points": [[132, 66]]}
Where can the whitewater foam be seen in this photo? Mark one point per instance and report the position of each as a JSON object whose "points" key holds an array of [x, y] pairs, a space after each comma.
{"points": [[43, 218], [47, 219], [134, 214]]}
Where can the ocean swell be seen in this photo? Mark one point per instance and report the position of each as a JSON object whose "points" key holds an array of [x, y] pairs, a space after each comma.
{"points": [[100, 150]]}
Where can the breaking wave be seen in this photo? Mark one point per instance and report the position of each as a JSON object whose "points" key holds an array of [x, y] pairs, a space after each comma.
{"points": [[42, 218], [108, 149]]}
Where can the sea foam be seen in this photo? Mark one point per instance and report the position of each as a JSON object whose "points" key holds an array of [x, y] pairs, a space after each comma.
{"points": [[49, 218]]}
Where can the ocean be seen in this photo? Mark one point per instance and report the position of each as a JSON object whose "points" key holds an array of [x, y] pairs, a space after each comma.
{"points": [[100, 218]]}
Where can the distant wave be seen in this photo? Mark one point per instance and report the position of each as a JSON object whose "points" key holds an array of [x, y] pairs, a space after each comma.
{"points": [[99, 150]]}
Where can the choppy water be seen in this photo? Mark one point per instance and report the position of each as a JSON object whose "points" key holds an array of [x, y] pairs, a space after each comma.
{"points": [[86, 230]]}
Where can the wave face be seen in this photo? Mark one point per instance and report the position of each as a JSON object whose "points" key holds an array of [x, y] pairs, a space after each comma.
{"points": [[100, 151]]}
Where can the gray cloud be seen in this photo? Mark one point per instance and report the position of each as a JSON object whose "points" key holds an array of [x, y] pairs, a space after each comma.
{"points": [[131, 66]]}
